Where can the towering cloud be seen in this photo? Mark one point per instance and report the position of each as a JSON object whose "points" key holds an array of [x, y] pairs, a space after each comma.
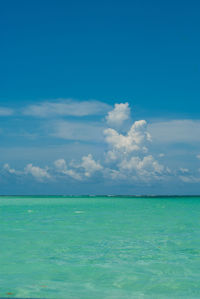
{"points": [[134, 140], [128, 153]]}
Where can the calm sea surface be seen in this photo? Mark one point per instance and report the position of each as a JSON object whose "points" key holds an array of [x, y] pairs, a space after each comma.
{"points": [[99, 247]]}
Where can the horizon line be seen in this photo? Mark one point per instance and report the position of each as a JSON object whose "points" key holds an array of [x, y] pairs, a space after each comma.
{"points": [[100, 195]]}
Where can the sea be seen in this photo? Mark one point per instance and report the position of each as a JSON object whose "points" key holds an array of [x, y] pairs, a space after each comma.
{"points": [[99, 247]]}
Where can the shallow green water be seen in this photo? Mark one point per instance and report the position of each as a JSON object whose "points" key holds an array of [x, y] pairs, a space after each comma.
{"points": [[99, 247]]}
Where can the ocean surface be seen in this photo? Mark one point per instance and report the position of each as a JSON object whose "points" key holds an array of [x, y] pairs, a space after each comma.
{"points": [[100, 247]]}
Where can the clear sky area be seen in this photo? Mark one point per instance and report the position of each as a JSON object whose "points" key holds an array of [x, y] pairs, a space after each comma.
{"points": [[100, 97]]}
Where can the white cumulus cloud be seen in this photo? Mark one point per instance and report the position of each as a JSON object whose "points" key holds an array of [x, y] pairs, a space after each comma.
{"points": [[143, 167], [90, 165], [118, 115], [128, 154], [135, 140], [86, 168], [61, 166], [38, 173]]}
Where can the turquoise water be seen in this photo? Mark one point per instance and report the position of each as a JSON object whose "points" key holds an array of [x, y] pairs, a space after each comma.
{"points": [[99, 247]]}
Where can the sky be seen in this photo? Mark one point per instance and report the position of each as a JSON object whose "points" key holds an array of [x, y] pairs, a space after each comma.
{"points": [[99, 97]]}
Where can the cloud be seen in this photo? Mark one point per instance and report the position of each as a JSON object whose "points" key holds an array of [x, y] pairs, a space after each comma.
{"points": [[118, 115], [67, 107], [175, 131], [142, 169], [6, 111], [10, 170], [86, 168], [38, 173], [114, 174], [89, 131], [61, 166], [142, 166], [135, 140], [126, 156], [190, 176], [189, 179], [90, 165], [184, 170]]}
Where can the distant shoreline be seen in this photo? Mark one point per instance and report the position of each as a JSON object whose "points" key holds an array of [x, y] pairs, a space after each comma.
{"points": [[103, 195]]}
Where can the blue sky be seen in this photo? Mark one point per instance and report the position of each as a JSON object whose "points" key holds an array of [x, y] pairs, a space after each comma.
{"points": [[64, 67]]}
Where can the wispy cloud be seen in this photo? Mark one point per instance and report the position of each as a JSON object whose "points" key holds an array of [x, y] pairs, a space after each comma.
{"points": [[175, 131], [83, 131], [67, 107], [190, 179], [4, 111]]}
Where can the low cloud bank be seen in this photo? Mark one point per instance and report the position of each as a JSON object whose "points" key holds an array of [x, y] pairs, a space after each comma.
{"points": [[127, 156]]}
